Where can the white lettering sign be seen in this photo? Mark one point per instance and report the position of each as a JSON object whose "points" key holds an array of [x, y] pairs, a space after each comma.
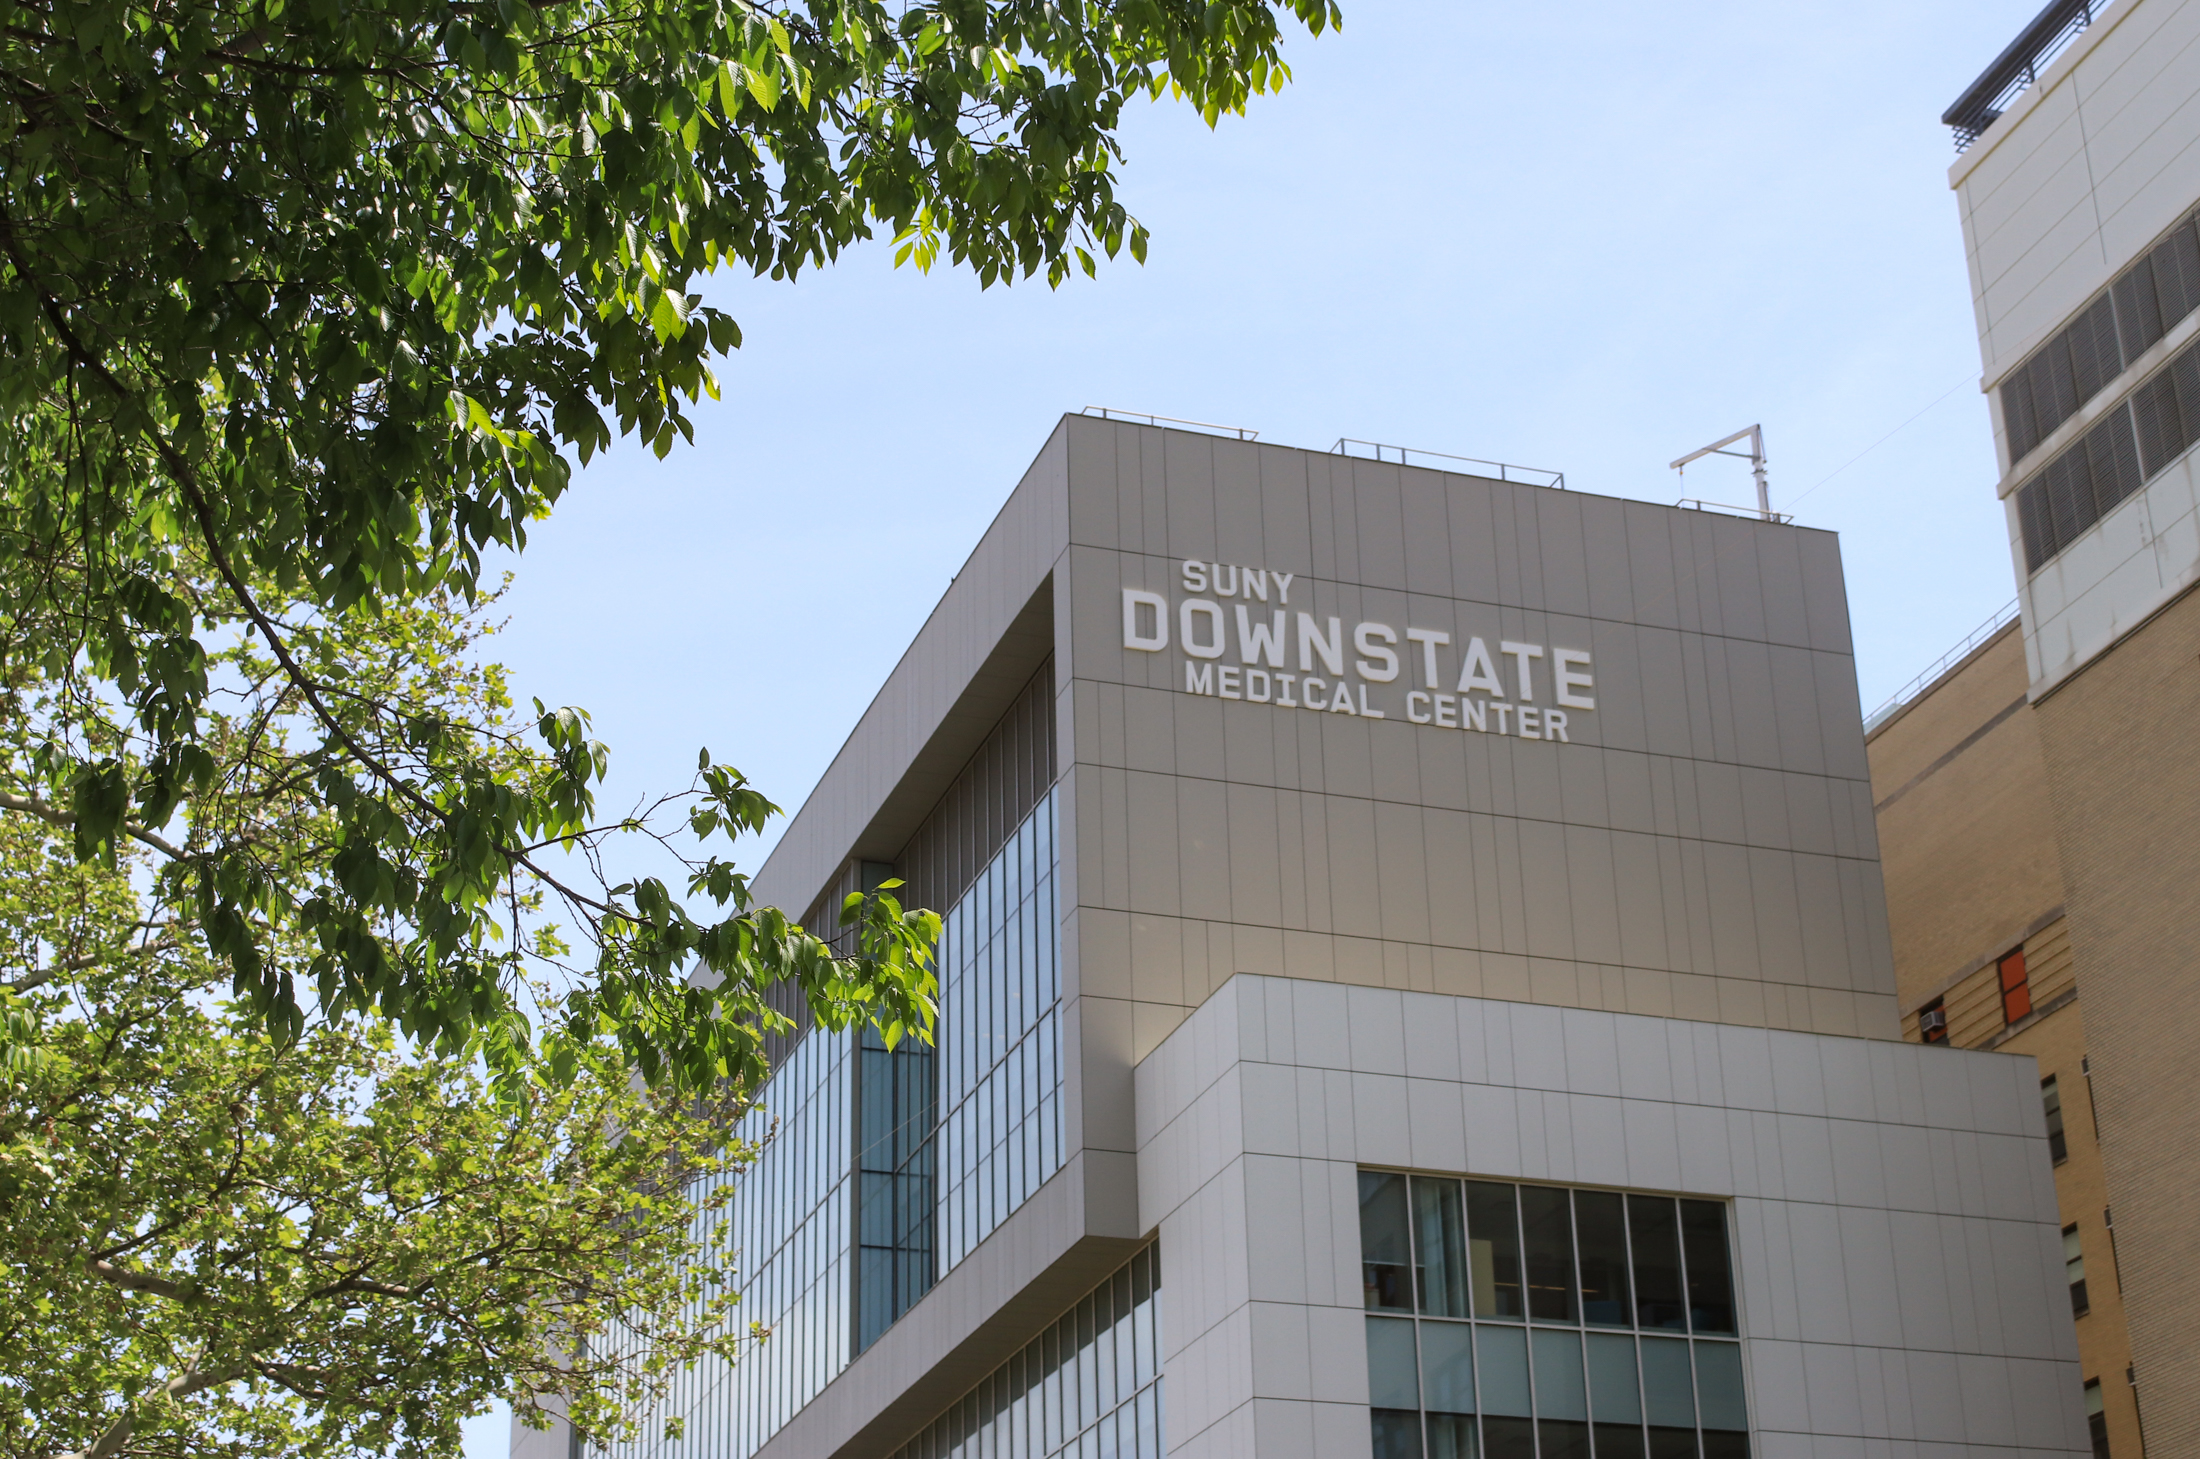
{"points": [[1482, 698]]}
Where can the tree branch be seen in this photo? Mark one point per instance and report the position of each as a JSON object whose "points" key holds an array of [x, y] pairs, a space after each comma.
{"points": [[131, 1281], [53, 815], [33, 981], [183, 1385]]}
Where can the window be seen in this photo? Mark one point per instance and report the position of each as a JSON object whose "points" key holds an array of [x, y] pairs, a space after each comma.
{"points": [[2051, 1096], [1509, 1321], [2074, 1269], [2016, 992], [2134, 442], [1932, 1022], [2096, 1420], [2149, 300], [1090, 1384], [2115, 1263]]}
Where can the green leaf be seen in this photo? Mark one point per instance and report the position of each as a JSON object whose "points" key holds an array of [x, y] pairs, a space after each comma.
{"points": [[764, 84]]}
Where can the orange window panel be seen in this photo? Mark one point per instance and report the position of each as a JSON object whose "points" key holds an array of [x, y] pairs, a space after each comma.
{"points": [[2016, 992]]}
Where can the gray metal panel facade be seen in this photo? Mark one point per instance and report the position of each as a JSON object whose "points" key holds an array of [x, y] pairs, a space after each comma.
{"points": [[1701, 847]]}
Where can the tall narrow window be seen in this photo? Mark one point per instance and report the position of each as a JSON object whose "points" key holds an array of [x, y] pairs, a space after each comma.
{"points": [[1493, 1249], [1658, 1299], [1384, 1259], [2074, 1268], [1710, 1284], [1600, 1226], [2096, 1418], [2016, 992], [1932, 1022], [2051, 1097], [896, 1107], [1547, 1228], [1440, 1247]]}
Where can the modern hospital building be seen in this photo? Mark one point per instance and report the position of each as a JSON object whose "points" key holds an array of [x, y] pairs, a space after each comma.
{"points": [[1416, 981]]}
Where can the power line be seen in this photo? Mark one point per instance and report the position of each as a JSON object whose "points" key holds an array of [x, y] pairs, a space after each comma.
{"points": [[1898, 430]]}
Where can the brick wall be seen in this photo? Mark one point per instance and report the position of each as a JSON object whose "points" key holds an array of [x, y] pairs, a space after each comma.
{"points": [[2125, 781]]}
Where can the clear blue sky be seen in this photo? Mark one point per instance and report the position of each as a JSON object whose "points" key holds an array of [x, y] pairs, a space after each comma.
{"points": [[1587, 237]]}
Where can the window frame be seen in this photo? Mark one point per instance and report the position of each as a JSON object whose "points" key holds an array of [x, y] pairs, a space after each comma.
{"points": [[2058, 1129], [1714, 1326], [2074, 1270]]}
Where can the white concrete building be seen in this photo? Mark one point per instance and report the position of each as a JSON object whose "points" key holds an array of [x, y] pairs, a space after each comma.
{"points": [[2078, 193], [1416, 982]]}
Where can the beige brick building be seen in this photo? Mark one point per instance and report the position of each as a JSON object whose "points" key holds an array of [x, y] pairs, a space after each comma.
{"points": [[2037, 802], [1981, 922]]}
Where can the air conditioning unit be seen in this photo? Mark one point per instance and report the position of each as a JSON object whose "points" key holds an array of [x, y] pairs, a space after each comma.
{"points": [[1932, 1021]]}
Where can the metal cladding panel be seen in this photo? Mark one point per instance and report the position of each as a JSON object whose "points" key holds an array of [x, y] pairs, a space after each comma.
{"points": [[1673, 831], [1659, 832]]}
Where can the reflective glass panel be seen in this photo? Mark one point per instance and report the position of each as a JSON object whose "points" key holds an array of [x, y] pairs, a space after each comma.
{"points": [[1397, 1435], [1447, 1366], [1710, 1280], [1385, 1252], [1719, 1386], [1615, 1390], [1440, 1247], [1654, 1232], [1668, 1386], [1600, 1229], [1561, 1439], [1493, 1250], [1547, 1229], [1393, 1372], [1571, 1382], [1453, 1436], [1056, 1398], [1559, 1393], [1501, 1359], [999, 1100], [1508, 1438], [1619, 1441]]}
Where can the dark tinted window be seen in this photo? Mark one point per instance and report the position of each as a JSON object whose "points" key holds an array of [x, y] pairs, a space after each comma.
{"points": [[1600, 1226], [1384, 1254], [1546, 1222], [1656, 1235], [1397, 1434], [1493, 1250], [1710, 1280], [2051, 1097]]}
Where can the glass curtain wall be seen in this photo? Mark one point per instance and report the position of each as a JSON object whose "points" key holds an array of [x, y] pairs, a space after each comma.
{"points": [[875, 1155], [951, 1142], [788, 1238], [1000, 1047], [1089, 1387], [896, 1103], [1542, 1322]]}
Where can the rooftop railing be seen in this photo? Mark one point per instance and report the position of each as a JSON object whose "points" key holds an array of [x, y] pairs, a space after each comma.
{"points": [[1413, 455], [1698, 504], [2016, 68], [1140, 417], [1941, 666]]}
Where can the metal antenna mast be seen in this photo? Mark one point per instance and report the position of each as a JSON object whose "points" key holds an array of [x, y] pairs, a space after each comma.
{"points": [[1755, 456]]}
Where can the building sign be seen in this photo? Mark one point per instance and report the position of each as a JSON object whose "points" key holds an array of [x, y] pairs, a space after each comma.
{"points": [[1260, 649]]}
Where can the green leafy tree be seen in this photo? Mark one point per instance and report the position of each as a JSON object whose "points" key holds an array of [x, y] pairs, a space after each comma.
{"points": [[221, 1243], [319, 1010], [304, 305], [327, 1240]]}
